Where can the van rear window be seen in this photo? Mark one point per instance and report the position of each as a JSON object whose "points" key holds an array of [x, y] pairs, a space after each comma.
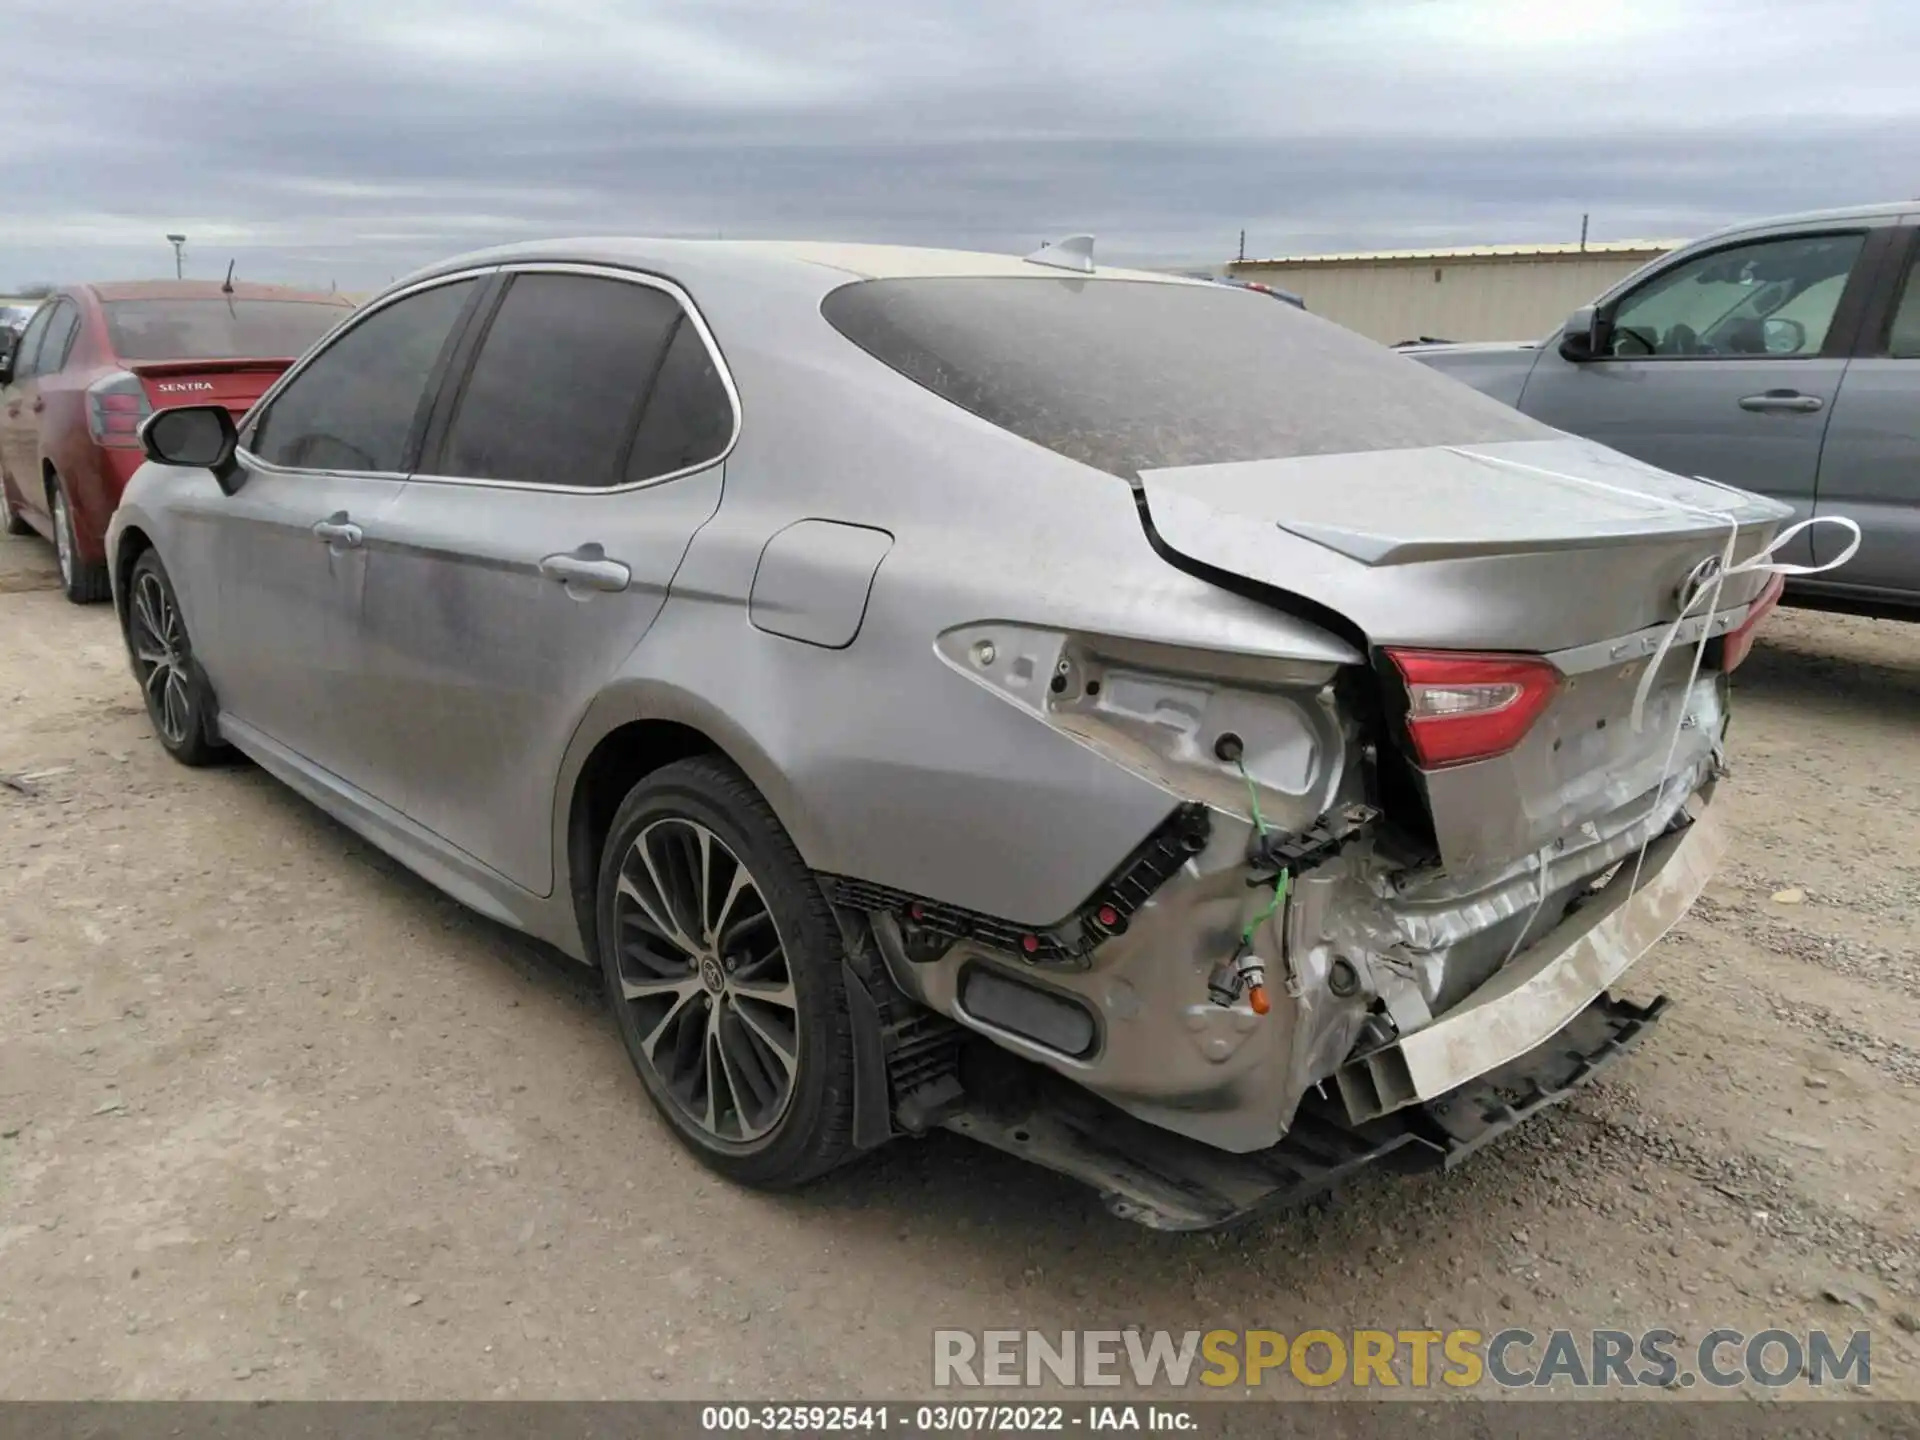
{"points": [[1132, 375]]}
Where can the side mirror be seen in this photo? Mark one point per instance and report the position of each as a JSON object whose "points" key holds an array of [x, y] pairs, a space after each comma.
{"points": [[201, 436], [1782, 336], [1584, 335], [7, 352]]}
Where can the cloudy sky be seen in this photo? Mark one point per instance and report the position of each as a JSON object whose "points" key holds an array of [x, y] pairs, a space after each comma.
{"points": [[346, 141]]}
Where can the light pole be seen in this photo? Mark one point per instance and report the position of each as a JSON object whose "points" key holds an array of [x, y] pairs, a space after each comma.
{"points": [[179, 268]]}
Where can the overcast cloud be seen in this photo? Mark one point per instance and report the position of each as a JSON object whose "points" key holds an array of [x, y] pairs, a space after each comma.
{"points": [[349, 140]]}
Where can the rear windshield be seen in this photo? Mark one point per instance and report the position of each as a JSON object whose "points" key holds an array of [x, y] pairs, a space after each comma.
{"points": [[1128, 376], [218, 329]]}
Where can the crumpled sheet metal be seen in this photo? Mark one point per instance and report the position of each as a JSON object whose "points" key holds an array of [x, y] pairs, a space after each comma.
{"points": [[1546, 986]]}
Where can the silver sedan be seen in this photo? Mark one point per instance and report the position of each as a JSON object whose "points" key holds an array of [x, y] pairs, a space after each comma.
{"points": [[1141, 726]]}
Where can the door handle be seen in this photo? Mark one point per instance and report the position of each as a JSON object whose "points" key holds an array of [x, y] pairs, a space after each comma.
{"points": [[336, 529], [1782, 400], [13, 410], [38, 404], [588, 568]]}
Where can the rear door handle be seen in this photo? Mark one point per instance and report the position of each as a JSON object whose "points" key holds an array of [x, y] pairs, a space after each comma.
{"points": [[1788, 400], [588, 568], [38, 404], [336, 529]]}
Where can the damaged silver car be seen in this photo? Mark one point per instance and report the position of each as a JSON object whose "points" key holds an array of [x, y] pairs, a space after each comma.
{"points": [[1146, 728]]}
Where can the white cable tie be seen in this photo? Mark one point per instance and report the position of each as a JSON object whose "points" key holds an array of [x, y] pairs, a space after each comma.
{"points": [[1760, 563]]}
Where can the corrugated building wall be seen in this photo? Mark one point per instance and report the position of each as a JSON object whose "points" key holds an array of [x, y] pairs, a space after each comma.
{"points": [[1489, 292]]}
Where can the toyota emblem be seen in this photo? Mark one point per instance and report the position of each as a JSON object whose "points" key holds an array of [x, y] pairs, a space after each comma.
{"points": [[1699, 580]]}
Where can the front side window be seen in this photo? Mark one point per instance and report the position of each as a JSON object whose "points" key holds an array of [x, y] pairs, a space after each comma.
{"points": [[1774, 297], [586, 382], [30, 341], [354, 407]]}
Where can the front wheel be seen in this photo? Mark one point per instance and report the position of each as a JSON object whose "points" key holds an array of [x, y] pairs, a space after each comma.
{"points": [[179, 701], [722, 965], [82, 581]]}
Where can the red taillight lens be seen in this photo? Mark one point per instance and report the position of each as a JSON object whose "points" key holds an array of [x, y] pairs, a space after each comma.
{"points": [[1464, 707], [1737, 644], [115, 407]]}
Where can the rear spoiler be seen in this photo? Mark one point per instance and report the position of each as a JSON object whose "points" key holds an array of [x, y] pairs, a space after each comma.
{"points": [[161, 369]]}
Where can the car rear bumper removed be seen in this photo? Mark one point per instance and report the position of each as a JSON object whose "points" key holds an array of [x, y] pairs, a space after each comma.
{"points": [[1167, 1181], [1533, 1032], [1546, 986]]}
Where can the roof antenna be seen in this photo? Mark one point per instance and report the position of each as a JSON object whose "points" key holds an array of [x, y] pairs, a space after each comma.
{"points": [[226, 285], [1073, 253]]}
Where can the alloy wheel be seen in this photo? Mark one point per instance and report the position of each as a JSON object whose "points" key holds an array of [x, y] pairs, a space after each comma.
{"points": [[159, 655], [63, 535], [705, 972]]}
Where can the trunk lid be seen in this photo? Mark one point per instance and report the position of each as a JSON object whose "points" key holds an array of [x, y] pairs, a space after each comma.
{"points": [[1560, 548], [1533, 546], [235, 383]]}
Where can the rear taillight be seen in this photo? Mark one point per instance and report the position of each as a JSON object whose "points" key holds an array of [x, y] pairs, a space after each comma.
{"points": [[116, 404], [1464, 707], [1737, 644]]}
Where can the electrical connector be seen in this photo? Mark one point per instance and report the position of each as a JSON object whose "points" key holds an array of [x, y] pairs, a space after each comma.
{"points": [[1244, 974]]}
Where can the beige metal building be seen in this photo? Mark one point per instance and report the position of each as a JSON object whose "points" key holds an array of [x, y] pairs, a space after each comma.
{"points": [[1487, 292]]}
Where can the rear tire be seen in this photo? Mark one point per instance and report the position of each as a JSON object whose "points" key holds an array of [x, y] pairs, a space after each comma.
{"points": [[722, 964], [178, 698], [11, 520], [81, 581]]}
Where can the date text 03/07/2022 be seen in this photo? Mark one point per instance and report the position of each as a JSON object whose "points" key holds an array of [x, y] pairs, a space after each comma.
{"points": [[940, 1419]]}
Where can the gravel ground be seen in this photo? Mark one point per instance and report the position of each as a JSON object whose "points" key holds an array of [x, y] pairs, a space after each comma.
{"points": [[277, 1120]]}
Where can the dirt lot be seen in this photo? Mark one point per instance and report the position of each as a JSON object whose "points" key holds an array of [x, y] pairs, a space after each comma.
{"points": [[280, 1121]]}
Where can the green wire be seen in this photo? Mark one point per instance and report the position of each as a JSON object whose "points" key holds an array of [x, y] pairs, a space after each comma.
{"points": [[1279, 898], [1279, 881], [1253, 796]]}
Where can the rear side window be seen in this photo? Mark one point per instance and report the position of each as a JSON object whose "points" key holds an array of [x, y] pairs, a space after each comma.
{"points": [[688, 419], [586, 382], [1903, 338], [61, 331], [1128, 376], [354, 407], [218, 329]]}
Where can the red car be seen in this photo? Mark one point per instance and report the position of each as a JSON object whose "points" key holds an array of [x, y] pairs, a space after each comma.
{"points": [[96, 360]]}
